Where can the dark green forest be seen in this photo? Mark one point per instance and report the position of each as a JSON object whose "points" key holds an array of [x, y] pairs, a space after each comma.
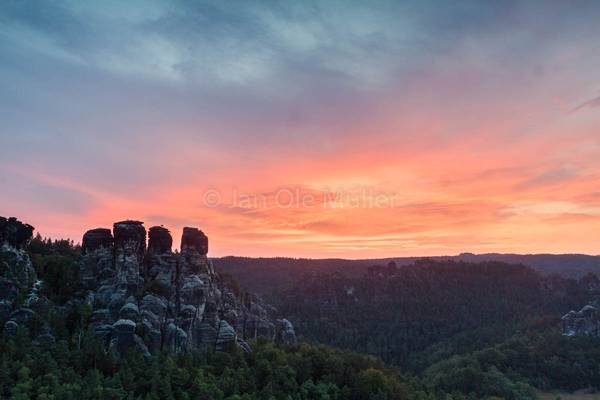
{"points": [[395, 313], [473, 328], [82, 370], [262, 274], [433, 330]]}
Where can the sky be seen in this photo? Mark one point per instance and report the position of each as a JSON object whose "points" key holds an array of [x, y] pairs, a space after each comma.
{"points": [[307, 128]]}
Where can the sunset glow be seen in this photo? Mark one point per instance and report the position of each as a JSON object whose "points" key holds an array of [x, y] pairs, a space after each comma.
{"points": [[377, 131]]}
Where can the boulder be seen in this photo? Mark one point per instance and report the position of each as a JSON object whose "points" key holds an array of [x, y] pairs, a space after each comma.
{"points": [[10, 328], [159, 240], [123, 336], [129, 311], [225, 337], [195, 239], [15, 233], [130, 231], [95, 239], [284, 332]]}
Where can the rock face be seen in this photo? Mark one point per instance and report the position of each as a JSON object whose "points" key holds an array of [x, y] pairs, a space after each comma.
{"points": [[130, 248], [96, 265], [161, 263], [97, 238], [585, 322], [159, 240], [194, 238], [285, 332], [18, 280], [142, 298], [154, 299], [14, 233]]}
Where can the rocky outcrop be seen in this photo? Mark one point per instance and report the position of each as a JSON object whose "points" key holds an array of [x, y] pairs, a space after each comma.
{"points": [[21, 305], [14, 233], [161, 263], [142, 298], [585, 322], [285, 332], [129, 251], [154, 299], [97, 238], [193, 238], [159, 240], [97, 260]]}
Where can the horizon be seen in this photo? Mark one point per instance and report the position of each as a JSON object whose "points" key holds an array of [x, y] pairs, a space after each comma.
{"points": [[312, 130], [292, 257]]}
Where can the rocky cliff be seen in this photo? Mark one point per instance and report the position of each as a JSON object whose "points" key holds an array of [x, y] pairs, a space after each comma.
{"points": [[142, 295], [151, 298], [585, 322], [20, 302]]}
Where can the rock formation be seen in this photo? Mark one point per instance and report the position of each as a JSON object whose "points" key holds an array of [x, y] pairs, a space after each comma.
{"points": [[161, 263], [142, 298], [285, 332], [154, 299], [14, 233], [129, 251], [585, 322], [21, 304]]}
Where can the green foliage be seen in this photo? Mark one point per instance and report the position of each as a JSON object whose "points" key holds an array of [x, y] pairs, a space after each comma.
{"points": [[397, 314], [73, 369], [543, 359], [56, 262], [466, 331]]}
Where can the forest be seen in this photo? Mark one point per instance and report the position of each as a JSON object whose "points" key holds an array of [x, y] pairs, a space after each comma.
{"points": [[461, 327], [262, 274], [434, 330]]}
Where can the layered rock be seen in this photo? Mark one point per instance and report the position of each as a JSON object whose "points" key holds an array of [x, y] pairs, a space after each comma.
{"points": [[18, 280], [197, 294], [158, 300], [142, 299], [130, 248], [161, 263], [585, 322], [194, 247], [97, 259]]}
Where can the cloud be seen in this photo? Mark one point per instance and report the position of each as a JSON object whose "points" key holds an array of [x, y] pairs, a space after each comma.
{"points": [[23, 195], [595, 102], [552, 177], [118, 109]]}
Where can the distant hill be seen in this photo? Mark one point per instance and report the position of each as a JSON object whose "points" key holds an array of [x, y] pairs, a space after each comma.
{"points": [[262, 275], [567, 265], [396, 312]]}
